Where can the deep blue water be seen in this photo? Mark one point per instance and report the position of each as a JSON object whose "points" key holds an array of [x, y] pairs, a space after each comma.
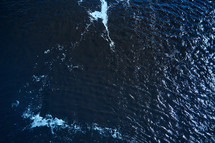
{"points": [[107, 71]]}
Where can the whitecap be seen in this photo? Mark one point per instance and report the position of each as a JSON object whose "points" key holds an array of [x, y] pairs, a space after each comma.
{"points": [[48, 121], [104, 16], [15, 104], [55, 123], [47, 51], [38, 78]]}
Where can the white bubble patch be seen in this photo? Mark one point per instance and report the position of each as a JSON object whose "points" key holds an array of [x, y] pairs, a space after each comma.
{"points": [[55, 123], [48, 121], [104, 16]]}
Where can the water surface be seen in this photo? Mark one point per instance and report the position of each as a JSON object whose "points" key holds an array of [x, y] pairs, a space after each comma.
{"points": [[107, 71]]}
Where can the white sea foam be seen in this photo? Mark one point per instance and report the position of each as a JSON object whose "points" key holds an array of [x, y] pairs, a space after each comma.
{"points": [[63, 57], [55, 123], [48, 121], [80, 1], [102, 15], [47, 51], [72, 67], [38, 78], [113, 132], [15, 104], [60, 47]]}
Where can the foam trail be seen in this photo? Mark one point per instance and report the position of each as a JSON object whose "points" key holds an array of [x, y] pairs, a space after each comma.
{"points": [[103, 15], [48, 121], [55, 123]]}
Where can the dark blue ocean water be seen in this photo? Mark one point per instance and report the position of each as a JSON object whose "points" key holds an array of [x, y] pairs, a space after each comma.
{"points": [[101, 71]]}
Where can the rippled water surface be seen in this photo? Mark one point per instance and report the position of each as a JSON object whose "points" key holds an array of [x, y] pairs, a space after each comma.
{"points": [[107, 71]]}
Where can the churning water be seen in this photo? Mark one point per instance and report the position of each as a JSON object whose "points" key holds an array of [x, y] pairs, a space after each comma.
{"points": [[107, 71]]}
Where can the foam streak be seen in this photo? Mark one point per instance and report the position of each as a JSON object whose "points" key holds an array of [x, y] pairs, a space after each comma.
{"points": [[55, 123], [103, 15]]}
